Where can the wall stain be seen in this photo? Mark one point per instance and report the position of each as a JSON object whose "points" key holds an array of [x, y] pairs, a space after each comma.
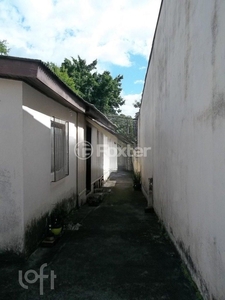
{"points": [[214, 28], [10, 215], [191, 265], [188, 51], [34, 233], [215, 111]]}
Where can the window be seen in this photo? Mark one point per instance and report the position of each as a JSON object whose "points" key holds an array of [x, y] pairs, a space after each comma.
{"points": [[60, 149]]}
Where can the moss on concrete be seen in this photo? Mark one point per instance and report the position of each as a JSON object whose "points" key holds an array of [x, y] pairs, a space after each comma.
{"points": [[34, 233], [37, 229]]}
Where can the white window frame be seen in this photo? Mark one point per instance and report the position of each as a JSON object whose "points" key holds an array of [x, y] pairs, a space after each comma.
{"points": [[59, 149]]}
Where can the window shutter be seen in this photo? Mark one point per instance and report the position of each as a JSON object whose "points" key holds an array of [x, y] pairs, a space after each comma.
{"points": [[60, 149]]}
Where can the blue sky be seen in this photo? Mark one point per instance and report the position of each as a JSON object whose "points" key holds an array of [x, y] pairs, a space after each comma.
{"points": [[133, 75], [118, 33]]}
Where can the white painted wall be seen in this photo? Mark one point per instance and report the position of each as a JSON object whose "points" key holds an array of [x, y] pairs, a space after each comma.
{"points": [[97, 157], [26, 189], [113, 153], [109, 157], [125, 157], [40, 194], [183, 119], [107, 161], [81, 163], [11, 166]]}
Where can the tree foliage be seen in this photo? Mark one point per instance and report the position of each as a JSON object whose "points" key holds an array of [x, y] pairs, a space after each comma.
{"points": [[126, 126], [4, 50], [137, 104], [100, 89], [62, 74]]}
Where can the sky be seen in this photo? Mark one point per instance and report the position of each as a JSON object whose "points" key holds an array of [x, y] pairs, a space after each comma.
{"points": [[118, 33]]}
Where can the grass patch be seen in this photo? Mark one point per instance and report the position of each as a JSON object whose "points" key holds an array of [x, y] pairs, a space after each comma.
{"points": [[187, 275]]}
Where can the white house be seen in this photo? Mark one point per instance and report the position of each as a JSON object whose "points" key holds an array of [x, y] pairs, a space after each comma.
{"points": [[44, 127], [182, 118]]}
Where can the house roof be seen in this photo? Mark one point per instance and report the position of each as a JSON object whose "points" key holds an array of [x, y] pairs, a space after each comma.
{"points": [[119, 136], [35, 73], [101, 125]]}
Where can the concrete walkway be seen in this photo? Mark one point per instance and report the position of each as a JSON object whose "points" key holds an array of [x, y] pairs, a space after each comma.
{"points": [[119, 253]]}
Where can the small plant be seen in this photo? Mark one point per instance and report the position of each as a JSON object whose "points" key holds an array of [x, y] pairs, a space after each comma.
{"points": [[192, 283], [57, 219], [137, 181]]}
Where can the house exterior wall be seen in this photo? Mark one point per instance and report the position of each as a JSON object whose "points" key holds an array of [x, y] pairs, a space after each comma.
{"points": [[97, 157], [27, 192], [81, 163], [11, 166], [109, 157], [112, 142], [182, 118], [104, 158], [124, 160], [40, 193]]}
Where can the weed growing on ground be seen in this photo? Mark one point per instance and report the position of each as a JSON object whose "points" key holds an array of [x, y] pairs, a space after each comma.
{"points": [[192, 283]]}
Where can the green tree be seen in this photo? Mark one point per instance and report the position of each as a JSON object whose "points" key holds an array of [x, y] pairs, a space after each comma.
{"points": [[106, 93], [4, 50], [62, 74], [102, 90], [81, 74], [126, 126], [137, 104]]}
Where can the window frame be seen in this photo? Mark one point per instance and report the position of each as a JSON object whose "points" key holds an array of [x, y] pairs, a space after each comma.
{"points": [[59, 149]]}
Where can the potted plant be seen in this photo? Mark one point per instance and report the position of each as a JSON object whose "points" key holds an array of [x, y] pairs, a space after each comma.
{"points": [[56, 220], [137, 181], [55, 224]]}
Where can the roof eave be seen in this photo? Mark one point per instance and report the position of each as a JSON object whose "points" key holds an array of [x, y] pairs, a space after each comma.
{"points": [[37, 74]]}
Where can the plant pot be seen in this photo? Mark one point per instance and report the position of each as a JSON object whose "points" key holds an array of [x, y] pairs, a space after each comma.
{"points": [[56, 230]]}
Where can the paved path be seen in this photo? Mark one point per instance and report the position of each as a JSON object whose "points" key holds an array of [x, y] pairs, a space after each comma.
{"points": [[119, 253]]}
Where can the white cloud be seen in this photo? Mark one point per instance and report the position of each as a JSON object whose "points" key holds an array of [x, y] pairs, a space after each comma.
{"points": [[139, 82], [110, 31], [52, 30], [142, 68], [128, 108]]}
